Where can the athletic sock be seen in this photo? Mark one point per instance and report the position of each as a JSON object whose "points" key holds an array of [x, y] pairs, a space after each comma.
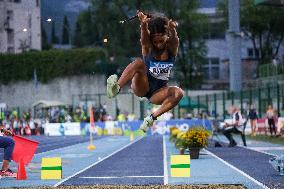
{"points": [[152, 117]]}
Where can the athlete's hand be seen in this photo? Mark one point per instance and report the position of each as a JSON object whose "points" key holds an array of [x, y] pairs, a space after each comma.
{"points": [[171, 25], [142, 17]]}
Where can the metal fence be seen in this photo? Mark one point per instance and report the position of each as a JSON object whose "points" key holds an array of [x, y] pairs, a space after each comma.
{"points": [[122, 103], [217, 105]]}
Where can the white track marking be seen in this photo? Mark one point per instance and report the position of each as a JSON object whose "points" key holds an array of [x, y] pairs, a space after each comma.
{"points": [[256, 149], [57, 184], [238, 170], [122, 177], [268, 148], [166, 180]]}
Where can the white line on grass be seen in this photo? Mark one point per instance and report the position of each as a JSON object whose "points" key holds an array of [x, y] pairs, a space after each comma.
{"points": [[57, 184], [122, 177], [166, 180], [238, 170]]}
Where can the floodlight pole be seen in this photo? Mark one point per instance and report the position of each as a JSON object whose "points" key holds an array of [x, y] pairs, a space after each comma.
{"points": [[234, 43]]}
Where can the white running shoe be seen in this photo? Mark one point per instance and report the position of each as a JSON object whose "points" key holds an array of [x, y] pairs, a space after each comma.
{"points": [[148, 122], [112, 86]]}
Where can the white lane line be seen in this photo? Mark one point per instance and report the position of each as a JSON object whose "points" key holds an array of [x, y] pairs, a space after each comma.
{"points": [[238, 170], [166, 179], [257, 150], [268, 148], [65, 146], [122, 177], [57, 184], [251, 148]]}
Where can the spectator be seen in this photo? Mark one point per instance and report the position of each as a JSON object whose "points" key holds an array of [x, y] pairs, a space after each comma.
{"points": [[32, 126], [8, 144], [234, 127], [252, 116], [270, 118], [16, 125], [121, 117]]}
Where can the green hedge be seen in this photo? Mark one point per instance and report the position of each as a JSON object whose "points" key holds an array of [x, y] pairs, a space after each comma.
{"points": [[52, 64]]}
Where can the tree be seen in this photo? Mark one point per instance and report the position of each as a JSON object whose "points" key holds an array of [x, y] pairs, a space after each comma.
{"points": [[263, 25], [44, 41], [102, 21], [86, 32], [65, 32], [54, 38], [192, 44]]}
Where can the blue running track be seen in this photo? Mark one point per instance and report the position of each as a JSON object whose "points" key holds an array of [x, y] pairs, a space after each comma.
{"points": [[253, 163], [138, 164]]}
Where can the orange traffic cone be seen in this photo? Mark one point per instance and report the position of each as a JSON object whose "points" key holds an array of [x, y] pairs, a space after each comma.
{"points": [[21, 175]]}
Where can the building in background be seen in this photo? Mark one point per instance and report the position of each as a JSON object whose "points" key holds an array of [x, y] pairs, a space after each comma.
{"points": [[20, 26], [217, 69]]}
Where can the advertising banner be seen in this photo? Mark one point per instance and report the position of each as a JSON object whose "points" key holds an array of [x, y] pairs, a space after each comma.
{"points": [[61, 129]]}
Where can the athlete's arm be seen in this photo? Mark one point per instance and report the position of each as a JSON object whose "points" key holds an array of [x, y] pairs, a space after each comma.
{"points": [[145, 34], [173, 37]]}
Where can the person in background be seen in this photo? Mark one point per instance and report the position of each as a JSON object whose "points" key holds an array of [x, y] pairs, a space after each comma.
{"points": [[252, 116], [270, 118], [236, 126], [8, 144]]}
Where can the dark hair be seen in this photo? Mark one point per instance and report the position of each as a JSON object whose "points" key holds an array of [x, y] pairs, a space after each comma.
{"points": [[157, 24]]}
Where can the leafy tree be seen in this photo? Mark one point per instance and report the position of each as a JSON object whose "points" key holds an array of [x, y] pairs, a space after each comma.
{"points": [[65, 31], [86, 31], [54, 38], [102, 21], [263, 25], [44, 41]]}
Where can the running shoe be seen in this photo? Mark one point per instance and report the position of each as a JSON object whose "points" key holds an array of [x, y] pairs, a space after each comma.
{"points": [[148, 122], [8, 173], [112, 86]]}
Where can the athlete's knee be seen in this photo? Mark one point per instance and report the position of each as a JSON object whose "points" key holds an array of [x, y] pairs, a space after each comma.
{"points": [[139, 64], [178, 93]]}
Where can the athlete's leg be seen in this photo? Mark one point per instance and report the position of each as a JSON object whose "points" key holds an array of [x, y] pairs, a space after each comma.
{"points": [[137, 72], [167, 97]]}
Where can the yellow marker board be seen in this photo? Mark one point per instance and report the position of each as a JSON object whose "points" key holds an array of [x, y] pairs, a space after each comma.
{"points": [[51, 168], [180, 165]]}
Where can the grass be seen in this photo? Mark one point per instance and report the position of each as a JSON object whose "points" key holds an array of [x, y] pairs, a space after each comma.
{"points": [[265, 138]]}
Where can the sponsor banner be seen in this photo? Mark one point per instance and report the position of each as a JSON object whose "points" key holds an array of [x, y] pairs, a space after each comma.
{"points": [[163, 127], [125, 127], [98, 128], [61, 129]]}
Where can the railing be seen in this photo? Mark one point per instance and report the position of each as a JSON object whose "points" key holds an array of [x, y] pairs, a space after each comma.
{"points": [[217, 105], [268, 70]]}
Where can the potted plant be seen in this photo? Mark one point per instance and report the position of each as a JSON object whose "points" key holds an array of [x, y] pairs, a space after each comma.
{"points": [[180, 142], [194, 139], [173, 133]]}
